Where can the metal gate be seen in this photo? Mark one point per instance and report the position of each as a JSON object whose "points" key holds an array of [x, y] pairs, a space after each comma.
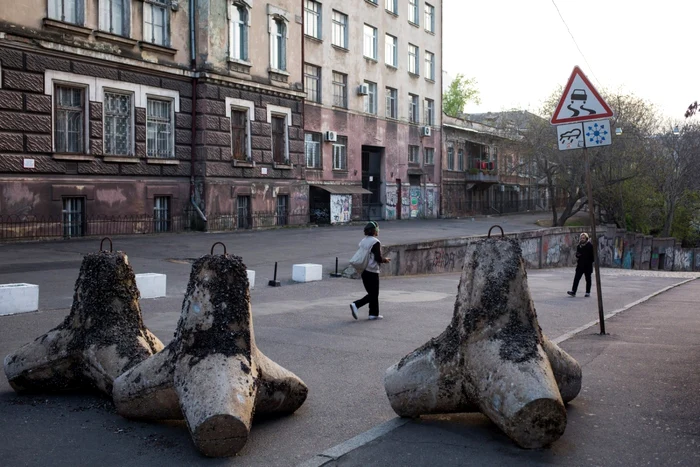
{"points": [[73, 217], [161, 214]]}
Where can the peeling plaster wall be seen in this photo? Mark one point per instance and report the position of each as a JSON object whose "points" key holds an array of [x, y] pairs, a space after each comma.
{"points": [[341, 209]]}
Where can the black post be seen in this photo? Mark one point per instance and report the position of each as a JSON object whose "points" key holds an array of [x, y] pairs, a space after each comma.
{"points": [[274, 282], [336, 273], [594, 239]]}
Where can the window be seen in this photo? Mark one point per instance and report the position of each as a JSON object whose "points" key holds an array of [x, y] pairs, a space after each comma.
{"points": [[239, 135], [312, 19], [278, 45], [159, 128], [430, 66], [161, 213], [340, 156], [392, 107], [372, 1], [312, 147], [429, 18], [370, 44], [429, 108], [118, 124], [279, 139], [156, 19], [371, 98], [239, 32], [115, 16], [450, 159], [282, 209], [339, 32], [391, 52], [244, 217], [413, 54], [413, 154], [429, 156], [312, 82], [392, 6], [340, 90], [460, 160], [413, 108], [69, 119], [68, 11], [73, 217], [413, 11]]}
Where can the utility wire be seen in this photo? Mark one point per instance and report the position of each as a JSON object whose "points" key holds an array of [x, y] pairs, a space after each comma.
{"points": [[576, 43]]}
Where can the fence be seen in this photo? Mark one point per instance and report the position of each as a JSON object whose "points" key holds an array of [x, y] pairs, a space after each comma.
{"points": [[462, 208]]}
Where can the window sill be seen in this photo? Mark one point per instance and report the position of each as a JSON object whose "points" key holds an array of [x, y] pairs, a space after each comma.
{"points": [[285, 166], [313, 39], [277, 72], [247, 164], [393, 13], [157, 48], [109, 37], [278, 75], [121, 159], [339, 107], [370, 59], [430, 80], [239, 61], [67, 27], [72, 157], [392, 67], [341, 171], [315, 169], [156, 161], [430, 32], [413, 75], [415, 25], [340, 48], [375, 4]]}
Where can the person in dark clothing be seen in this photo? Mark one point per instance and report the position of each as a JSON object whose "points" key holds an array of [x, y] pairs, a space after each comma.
{"points": [[370, 276], [584, 264]]}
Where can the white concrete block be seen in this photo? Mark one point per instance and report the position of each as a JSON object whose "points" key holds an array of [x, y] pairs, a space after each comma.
{"points": [[18, 298], [251, 278], [307, 272], [151, 284]]}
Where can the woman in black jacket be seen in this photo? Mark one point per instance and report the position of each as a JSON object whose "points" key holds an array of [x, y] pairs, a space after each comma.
{"points": [[584, 265]]}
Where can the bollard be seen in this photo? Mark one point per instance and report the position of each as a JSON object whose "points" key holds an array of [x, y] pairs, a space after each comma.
{"points": [[274, 282], [336, 273]]}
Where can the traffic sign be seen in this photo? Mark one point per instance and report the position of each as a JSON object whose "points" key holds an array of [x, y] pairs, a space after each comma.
{"points": [[570, 136], [597, 133], [580, 101]]}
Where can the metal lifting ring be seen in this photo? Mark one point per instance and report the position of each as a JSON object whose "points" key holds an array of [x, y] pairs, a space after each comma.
{"points": [[493, 227], [218, 243], [110, 244]]}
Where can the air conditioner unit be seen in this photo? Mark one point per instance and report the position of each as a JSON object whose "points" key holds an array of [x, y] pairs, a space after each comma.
{"points": [[331, 136], [426, 131], [362, 90]]}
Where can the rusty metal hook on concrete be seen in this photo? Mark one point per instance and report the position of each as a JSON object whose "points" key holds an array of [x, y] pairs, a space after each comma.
{"points": [[493, 227], [218, 243], [110, 244]]}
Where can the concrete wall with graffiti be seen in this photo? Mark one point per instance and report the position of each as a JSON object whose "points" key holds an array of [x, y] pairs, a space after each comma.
{"points": [[341, 207]]}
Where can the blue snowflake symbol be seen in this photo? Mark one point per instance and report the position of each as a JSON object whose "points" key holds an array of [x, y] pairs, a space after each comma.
{"points": [[597, 133]]}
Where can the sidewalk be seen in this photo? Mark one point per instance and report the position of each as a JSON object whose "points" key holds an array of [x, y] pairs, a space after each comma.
{"points": [[639, 404]]}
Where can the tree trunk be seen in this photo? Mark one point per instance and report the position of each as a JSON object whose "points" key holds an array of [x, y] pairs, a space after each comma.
{"points": [[669, 219], [552, 201]]}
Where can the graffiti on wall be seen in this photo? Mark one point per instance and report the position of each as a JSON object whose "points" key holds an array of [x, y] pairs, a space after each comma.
{"points": [[606, 249], [391, 201], [558, 248], [683, 260], [341, 205], [617, 251], [646, 255], [628, 260], [416, 201], [531, 251], [655, 259], [430, 210], [668, 263], [443, 261], [405, 206]]}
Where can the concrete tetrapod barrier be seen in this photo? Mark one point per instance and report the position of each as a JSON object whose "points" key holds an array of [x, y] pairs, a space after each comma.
{"points": [[493, 357], [101, 338], [212, 373]]}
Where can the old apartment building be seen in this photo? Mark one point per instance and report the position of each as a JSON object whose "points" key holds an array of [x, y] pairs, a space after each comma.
{"points": [[372, 117], [150, 113]]}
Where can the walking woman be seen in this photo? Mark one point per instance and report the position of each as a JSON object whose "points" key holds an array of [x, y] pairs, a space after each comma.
{"points": [[584, 265], [370, 276]]}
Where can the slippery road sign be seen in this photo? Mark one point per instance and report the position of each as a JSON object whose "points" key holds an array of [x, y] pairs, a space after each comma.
{"points": [[580, 101]]}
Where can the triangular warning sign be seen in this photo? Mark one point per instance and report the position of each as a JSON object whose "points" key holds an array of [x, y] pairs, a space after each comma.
{"points": [[580, 101]]}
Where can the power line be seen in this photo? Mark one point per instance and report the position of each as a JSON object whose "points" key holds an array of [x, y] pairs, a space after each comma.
{"points": [[576, 43]]}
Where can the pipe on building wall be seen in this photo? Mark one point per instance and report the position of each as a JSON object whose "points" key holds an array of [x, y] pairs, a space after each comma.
{"points": [[193, 65]]}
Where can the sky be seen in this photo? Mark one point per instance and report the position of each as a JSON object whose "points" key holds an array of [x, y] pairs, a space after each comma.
{"points": [[520, 51]]}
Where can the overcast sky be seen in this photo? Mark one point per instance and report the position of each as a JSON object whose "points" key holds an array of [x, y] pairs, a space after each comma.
{"points": [[520, 50]]}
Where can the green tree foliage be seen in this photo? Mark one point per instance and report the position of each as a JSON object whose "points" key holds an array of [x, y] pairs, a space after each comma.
{"points": [[461, 91]]}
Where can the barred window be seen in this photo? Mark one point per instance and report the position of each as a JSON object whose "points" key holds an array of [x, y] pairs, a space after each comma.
{"points": [[339, 32], [115, 16], [340, 157], [69, 119], [159, 128], [161, 213], [312, 147], [312, 19], [156, 19], [340, 90], [312, 82], [118, 124], [68, 11]]}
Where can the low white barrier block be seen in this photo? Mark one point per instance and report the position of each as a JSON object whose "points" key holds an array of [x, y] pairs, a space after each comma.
{"points": [[151, 284], [251, 278], [307, 272], [18, 298]]}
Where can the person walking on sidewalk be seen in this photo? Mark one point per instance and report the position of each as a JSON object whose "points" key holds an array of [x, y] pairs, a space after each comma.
{"points": [[584, 265], [370, 276]]}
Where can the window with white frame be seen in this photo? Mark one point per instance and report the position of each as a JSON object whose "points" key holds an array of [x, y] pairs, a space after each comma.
{"points": [[413, 106], [370, 42], [340, 153], [312, 82], [392, 105], [392, 6], [430, 65], [278, 45], [340, 90], [312, 148], [239, 134], [115, 16], [312, 18], [156, 22], [429, 109], [159, 128], [279, 139], [429, 18], [373, 1], [68, 11], [371, 98], [429, 156], [339, 30], [413, 154], [391, 52], [413, 54], [118, 124], [69, 119], [413, 12], [240, 17]]}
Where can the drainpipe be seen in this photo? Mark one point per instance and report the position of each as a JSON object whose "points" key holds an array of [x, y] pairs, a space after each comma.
{"points": [[193, 66]]}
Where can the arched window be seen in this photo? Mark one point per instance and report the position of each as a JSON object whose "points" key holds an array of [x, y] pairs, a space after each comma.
{"points": [[239, 31]]}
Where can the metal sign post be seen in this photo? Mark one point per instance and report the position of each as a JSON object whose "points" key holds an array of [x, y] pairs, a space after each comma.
{"points": [[594, 235]]}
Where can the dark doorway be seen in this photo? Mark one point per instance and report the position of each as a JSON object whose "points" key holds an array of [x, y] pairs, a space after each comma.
{"points": [[399, 203], [372, 181], [320, 206]]}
